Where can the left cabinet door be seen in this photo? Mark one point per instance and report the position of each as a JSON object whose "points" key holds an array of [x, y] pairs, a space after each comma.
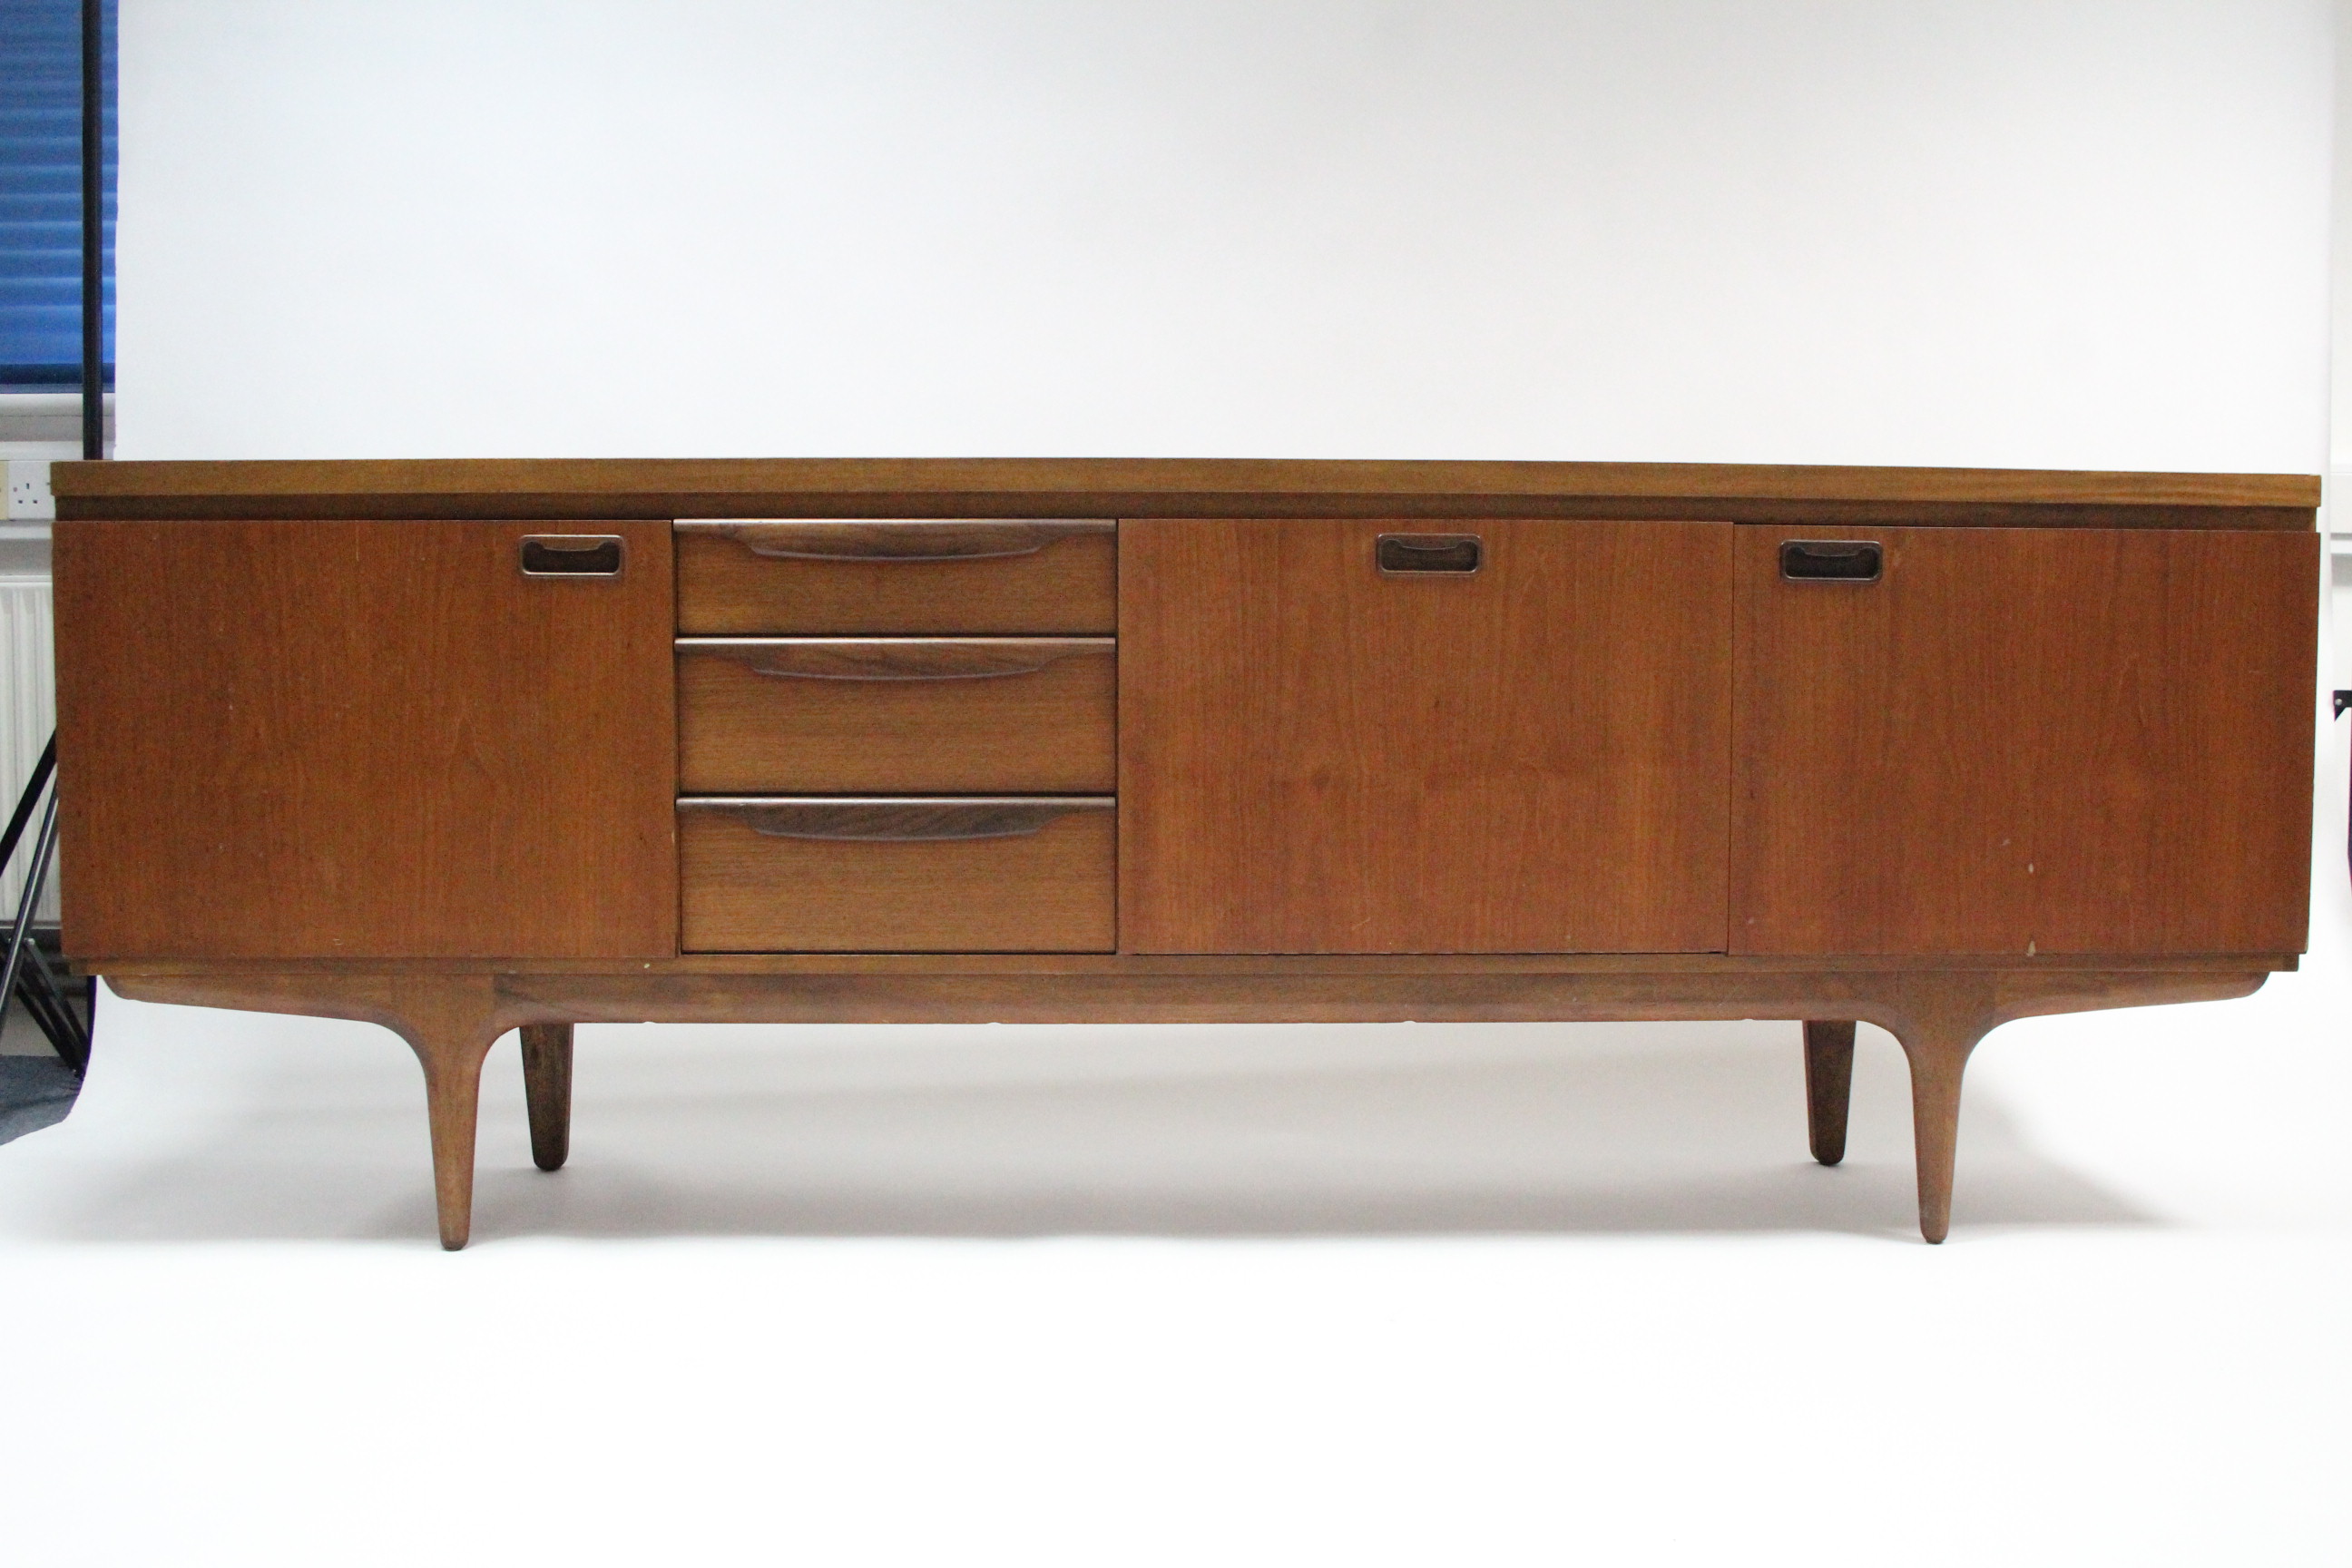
{"points": [[365, 739]]}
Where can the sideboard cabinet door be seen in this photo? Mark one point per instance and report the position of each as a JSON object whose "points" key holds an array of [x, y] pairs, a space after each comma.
{"points": [[365, 739], [1327, 744], [2025, 740]]}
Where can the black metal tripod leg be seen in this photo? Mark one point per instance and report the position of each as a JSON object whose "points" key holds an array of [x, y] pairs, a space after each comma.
{"points": [[47, 1002], [35, 875]]}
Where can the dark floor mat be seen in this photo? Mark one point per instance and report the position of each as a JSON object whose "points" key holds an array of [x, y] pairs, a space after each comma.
{"points": [[35, 1092]]}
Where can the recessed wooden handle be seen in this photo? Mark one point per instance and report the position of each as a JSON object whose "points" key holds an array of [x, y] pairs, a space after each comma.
{"points": [[1400, 555], [572, 555], [866, 539], [881, 820], [893, 659], [1832, 560]]}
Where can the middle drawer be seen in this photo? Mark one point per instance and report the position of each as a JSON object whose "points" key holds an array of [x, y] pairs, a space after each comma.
{"points": [[897, 715]]}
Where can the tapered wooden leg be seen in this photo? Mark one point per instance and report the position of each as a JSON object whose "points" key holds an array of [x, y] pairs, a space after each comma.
{"points": [[1828, 1086], [1939, 1050], [547, 1088], [452, 1089], [450, 1026]]}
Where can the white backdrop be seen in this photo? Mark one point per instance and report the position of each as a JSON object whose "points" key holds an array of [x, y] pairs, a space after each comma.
{"points": [[1397, 1295], [2069, 233]]}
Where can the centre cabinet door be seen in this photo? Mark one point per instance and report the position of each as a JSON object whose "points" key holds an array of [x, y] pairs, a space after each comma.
{"points": [[1327, 744]]}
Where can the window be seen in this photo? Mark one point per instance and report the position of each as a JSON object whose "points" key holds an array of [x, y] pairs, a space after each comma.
{"points": [[41, 193]]}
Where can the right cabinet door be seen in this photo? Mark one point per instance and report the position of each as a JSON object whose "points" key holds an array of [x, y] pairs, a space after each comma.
{"points": [[2024, 741]]}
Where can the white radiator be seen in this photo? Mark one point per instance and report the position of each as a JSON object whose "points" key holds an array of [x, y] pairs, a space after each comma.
{"points": [[28, 711]]}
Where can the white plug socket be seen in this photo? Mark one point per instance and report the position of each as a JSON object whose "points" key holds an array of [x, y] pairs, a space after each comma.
{"points": [[29, 499]]}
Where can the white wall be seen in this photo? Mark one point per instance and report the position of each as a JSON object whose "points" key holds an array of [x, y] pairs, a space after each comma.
{"points": [[2341, 241], [2072, 232]]}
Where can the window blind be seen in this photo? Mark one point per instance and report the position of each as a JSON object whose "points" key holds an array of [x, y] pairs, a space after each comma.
{"points": [[41, 193]]}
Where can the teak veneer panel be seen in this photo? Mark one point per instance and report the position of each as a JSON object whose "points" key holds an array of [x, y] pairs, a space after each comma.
{"points": [[1316, 757], [897, 715], [2027, 742], [363, 739]]}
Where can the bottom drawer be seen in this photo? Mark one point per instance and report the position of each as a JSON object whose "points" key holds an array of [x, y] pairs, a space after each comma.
{"points": [[830, 874]]}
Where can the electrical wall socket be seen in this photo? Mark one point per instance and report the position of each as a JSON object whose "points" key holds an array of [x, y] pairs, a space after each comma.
{"points": [[29, 499]]}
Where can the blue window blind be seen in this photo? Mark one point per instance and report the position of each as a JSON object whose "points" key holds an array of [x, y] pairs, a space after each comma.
{"points": [[41, 193]]}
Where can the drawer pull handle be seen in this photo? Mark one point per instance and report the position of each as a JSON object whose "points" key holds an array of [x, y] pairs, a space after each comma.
{"points": [[1400, 553], [963, 539], [1830, 561], [892, 659], [878, 821], [573, 555]]}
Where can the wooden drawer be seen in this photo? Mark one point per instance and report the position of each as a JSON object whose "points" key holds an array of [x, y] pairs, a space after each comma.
{"points": [[889, 576], [897, 875], [970, 715]]}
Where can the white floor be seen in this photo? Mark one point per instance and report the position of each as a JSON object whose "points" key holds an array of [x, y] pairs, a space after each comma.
{"points": [[1394, 1294]]}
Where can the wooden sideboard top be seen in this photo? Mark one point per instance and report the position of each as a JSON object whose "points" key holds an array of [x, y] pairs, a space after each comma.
{"points": [[1175, 487]]}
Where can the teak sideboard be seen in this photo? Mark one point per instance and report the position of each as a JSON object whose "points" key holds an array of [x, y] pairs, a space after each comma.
{"points": [[460, 747]]}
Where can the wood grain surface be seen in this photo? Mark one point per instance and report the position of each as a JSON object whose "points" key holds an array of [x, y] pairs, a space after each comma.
{"points": [[852, 577], [2027, 742], [1318, 758], [898, 715], [365, 739], [897, 875], [1177, 487]]}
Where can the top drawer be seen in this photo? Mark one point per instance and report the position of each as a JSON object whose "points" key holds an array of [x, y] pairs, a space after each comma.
{"points": [[887, 575]]}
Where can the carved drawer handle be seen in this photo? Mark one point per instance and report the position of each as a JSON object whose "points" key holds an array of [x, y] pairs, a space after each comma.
{"points": [[881, 820], [871, 540], [893, 658]]}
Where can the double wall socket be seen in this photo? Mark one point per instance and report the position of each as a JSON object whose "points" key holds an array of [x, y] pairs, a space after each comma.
{"points": [[29, 499]]}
